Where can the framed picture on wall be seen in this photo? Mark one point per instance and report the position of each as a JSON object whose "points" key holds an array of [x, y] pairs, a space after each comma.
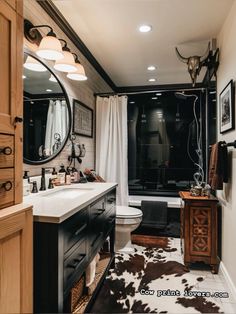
{"points": [[82, 119], [226, 101]]}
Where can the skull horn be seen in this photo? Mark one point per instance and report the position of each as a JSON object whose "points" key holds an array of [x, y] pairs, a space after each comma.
{"points": [[183, 59], [206, 54]]}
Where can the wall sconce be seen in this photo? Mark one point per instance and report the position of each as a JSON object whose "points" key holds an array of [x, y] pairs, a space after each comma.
{"points": [[67, 63], [49, 46], [33, 65], [79, 75]]}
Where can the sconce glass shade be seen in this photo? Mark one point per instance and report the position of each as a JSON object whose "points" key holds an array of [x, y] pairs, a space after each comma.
{"points": [[52, 78], [79, 75], [50, 48], [67, 64], [33, 65]]}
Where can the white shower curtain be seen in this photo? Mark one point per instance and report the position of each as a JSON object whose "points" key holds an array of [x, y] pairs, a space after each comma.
{"points": [[57, 121], [111, 143]]}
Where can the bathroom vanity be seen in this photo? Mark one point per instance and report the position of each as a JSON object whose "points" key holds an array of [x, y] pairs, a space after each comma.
{"points": [[71, 225]]}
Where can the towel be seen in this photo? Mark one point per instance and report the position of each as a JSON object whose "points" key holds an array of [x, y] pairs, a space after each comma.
{"points": [[218, 167], [154, 214]]}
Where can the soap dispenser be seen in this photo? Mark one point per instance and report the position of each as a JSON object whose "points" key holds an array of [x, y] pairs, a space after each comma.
{"points": [[62, 175], [26, 184]]}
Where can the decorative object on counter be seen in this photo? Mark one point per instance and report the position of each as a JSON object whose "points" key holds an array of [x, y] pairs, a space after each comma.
{"points": [[43, 181], [82, 119], [218, 167], [50, 48], [92, 176], [227, 113], [83, 178], [35, 188], [206, 191]]}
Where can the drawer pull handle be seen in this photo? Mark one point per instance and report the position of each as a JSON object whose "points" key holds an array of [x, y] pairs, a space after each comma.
{"points": [[111, 200], [76, 261], [80, 229], [18, 119], [7, 186], [97, 238], [6, 150]]}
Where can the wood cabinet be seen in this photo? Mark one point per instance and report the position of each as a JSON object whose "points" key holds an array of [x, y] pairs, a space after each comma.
{"points": [[199, 230], [63, 251], [16, 262], [11, 60]]}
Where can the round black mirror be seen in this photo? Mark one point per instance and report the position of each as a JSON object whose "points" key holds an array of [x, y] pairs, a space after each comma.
{"points": [[47, 112]]}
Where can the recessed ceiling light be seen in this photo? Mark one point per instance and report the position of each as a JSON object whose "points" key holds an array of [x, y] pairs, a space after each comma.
{"points": [[152, 80], [132, 102], [213, 92], [145, 28], [24, 77], [48, 90], [158, 94], [154, 98], [151, 68]]}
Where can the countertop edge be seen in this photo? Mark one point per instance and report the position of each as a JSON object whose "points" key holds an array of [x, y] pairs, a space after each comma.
{"points": [[58, 220]]}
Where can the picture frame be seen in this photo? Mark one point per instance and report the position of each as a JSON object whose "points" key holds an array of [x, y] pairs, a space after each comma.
{"points": [[82, 119], [227, 109]]}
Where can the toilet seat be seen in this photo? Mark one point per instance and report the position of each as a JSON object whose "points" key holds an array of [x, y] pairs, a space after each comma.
{"points": [[126, 212]]}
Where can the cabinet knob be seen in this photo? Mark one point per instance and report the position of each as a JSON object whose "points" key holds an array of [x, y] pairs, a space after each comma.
{"points": [[18, 119], [6, 150], [7, 186]]}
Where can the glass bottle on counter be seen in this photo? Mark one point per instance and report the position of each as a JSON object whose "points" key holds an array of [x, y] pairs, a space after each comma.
{"points": [[62, 175], [68, 176]]}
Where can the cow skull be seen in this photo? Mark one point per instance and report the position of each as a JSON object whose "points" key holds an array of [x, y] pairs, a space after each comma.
{"points": [[194, 63]]}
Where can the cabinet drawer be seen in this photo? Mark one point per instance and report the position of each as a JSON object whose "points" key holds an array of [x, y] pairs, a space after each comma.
{"points": [[97, 208], [6, 187], [75, 229], [6, 151], [72, 265]]}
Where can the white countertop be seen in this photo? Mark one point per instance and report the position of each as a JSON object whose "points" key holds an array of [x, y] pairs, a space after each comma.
{"points": [[56, 209]]}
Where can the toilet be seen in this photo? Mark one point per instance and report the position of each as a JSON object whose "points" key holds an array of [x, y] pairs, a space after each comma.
{"points": [[127, 220]]}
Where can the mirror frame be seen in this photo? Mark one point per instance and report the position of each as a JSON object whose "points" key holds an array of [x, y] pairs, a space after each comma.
{"points": [[50, 69]]}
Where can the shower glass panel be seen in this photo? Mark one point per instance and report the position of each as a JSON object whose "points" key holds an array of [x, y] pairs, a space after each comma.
{"points": [[165, 141]]}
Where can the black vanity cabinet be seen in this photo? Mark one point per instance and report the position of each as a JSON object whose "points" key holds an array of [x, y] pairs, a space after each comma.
{"points": [[62, 251]]}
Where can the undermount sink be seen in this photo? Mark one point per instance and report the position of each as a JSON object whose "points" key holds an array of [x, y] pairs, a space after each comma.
{"points": [[68, 193]]}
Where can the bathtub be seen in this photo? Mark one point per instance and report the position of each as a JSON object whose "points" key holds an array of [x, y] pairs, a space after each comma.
{"points": [[173, 202]]}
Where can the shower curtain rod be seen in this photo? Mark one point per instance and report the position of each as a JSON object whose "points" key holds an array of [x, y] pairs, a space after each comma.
{"points": [[149, 91], [47, 98]]}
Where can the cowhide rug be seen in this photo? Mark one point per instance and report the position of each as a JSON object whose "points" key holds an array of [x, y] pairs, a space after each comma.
{"points": [[152, 280]]}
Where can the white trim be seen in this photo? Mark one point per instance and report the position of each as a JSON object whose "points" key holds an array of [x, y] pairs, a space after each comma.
{"points": [[172, 202], [228, 279]]}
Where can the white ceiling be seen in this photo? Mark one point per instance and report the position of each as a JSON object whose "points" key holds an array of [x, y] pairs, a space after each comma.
{"points": [[109, 29]]}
